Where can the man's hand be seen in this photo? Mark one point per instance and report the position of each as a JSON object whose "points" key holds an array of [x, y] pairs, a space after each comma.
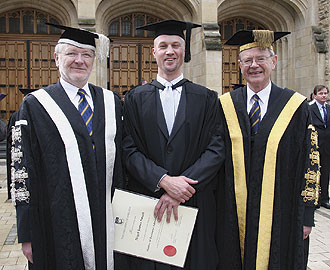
{"points": [[167, 203], [307, 231], [178, 187], [27, 251]]}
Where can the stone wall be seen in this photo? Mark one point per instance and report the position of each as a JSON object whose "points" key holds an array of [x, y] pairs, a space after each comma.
{"points": [[302, 61], [324, 24]]}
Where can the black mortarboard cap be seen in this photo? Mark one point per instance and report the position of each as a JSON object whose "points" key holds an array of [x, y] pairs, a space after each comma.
{"points": [[173, 27], [26, 91], [248, 39], [78, 37]]}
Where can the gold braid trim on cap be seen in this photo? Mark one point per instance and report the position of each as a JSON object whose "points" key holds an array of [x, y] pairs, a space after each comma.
{"points": [[262, 39]]}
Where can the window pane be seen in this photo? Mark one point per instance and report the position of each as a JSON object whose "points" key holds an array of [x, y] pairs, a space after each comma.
{"points": [[14, 23], [149, 21], [28, 22], [239, 26], [53, 30], [41, 26], [126, 28], [228, 31], [113, 29], [3, 24], [139, 22], [125, 25]]}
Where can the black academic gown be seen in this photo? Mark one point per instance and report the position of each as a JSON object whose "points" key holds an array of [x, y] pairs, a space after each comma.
{"points": [[324, 148], [194, 149], [290, 213], [11, 123], [48, 218]]}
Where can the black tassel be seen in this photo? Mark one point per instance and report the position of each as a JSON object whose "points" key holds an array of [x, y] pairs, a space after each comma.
{"points": [[187, 56]]}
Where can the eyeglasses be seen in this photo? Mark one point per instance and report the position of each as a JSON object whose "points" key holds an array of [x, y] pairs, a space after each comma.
{"points": [[259, 60], [83, 55]]}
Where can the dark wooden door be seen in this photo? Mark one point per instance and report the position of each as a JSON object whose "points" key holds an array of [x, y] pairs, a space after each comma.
{"points": [[24, 64], [130, 63]]}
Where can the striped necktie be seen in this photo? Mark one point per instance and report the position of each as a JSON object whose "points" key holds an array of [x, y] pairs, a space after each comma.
{"points": [[325, 115], [255, 114], [85, 111]]}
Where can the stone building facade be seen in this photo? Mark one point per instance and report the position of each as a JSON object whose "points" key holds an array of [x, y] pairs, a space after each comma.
{"points": [[26, 46]]}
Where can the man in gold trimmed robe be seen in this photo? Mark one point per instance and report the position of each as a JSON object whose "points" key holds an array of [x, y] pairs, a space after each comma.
{"points": [[269, 185]]}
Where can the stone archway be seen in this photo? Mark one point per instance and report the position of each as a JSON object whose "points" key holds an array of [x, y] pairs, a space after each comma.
{"points": [[65, 10], [276, 16], [180, 10], [108, 11]]}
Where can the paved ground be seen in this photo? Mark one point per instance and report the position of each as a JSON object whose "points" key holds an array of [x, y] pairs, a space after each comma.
{"points": [[11, 257]]}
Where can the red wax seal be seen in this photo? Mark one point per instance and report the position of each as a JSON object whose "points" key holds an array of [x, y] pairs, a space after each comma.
{"points": [[169, 251]]}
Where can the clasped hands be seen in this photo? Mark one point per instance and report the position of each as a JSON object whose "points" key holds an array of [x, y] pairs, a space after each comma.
{"points": [[178, 189]]}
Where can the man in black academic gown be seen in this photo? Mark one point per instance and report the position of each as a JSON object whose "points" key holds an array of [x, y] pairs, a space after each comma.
{"points": [[173, 148], [66, 154], [269, 184], [320, 111]]}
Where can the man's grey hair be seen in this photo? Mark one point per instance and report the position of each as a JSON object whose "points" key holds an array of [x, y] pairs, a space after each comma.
{"points": [[59, 47]]}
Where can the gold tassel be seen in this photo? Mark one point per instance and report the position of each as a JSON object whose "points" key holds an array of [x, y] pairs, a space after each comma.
{"points": [[264, 38]]}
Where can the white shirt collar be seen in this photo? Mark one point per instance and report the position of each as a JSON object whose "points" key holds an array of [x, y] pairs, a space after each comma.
{"points": [[319, 105], [173, 82], [263, 94], [72, 90]]}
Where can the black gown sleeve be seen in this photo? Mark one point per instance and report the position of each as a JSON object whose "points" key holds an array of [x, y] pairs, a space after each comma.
{"points": [[10, 125], [310, 192], [23, 165]]}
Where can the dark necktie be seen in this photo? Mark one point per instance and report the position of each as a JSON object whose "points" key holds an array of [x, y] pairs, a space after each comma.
{"points": [[85, 111], [255, 115], [325, 115]]}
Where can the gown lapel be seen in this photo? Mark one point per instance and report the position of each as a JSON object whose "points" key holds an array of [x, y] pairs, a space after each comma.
{"points": [[180, 115], [160, 116], [239, 98], [71, 112], [316, 111]]}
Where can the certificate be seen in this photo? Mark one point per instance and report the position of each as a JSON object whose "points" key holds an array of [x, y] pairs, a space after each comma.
{"points": [[138, 233]]}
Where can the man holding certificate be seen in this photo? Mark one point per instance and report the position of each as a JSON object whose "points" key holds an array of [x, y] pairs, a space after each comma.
{"points": [[173, 148]]}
